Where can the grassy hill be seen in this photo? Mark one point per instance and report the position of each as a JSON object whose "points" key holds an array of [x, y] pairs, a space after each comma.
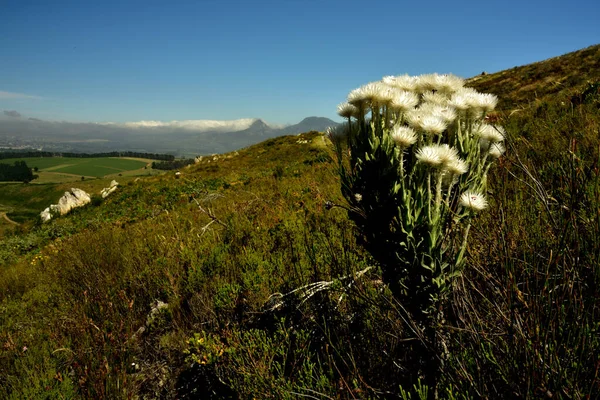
{"points": [[559, 78], [240, 278]]}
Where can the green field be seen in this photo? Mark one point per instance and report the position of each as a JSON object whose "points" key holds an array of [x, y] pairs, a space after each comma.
{"points": [[23, 202], [89, 167]]}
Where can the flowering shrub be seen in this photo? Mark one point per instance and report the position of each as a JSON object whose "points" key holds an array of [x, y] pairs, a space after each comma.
{"points": [[413, 158]]}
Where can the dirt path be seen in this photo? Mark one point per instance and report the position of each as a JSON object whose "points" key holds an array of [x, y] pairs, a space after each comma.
{"points": [[10, 221]]}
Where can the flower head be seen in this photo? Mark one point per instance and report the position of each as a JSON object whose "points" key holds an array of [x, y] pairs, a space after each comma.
{"points": [[473, 200], [484, 101], [347, 110], [426, 82], [414, 117], [449, 160], [497, 149], [456, 166], [440, 83], [404, 82], [435, 98], [441, 155], [385, 93], [489, 133], [364, 95], [447, 153], [429, 155], [432, 124], [448, 83], [403, 136], [464, 99], [404, 100], [447, 114]]}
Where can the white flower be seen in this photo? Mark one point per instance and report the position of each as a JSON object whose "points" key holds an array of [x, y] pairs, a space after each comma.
{"points": [[497, 149], [358, 197], [473, 200], [447, 114], [464, 99], [435, 98], [432, 124], [426, 82], [445, 83], [404, 100], [489, 133], [459, 101], [430, 155], [403, 136], [364, 94], [448, 83], [414, 117], [404, 82], [422, 119], [484, 101], [456, 166], [389, 80], [447, 154], [347, 110], [386, 93], [443, 156], [373, 93]]}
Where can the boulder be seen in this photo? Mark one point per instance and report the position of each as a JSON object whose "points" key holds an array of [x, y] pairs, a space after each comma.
{"points": [[70, 200], [46, 215], [110, 189]]}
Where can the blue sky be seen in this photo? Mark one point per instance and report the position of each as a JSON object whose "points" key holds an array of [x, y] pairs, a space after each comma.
{"points": [[276, 60]]}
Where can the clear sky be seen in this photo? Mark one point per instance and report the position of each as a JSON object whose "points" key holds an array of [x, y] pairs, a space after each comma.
{"points": [[276, 60]]}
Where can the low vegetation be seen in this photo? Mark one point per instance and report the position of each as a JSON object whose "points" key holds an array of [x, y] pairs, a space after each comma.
{"points": [[171, 165], [247, 277]]}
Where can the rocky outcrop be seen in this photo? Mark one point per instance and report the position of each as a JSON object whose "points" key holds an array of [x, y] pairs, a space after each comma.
{"points": [[107, 191], [70, 200]]}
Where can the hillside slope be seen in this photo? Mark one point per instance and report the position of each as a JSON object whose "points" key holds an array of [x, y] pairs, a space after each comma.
{"points": [[243, 277], [558, 77]]}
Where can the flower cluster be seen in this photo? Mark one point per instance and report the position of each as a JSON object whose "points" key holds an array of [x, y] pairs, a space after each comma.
{"points": [[414, 156], [437, 115]]}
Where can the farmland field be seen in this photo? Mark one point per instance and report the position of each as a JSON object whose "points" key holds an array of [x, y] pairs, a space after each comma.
{"points": [[21, 203], [88, 167]]}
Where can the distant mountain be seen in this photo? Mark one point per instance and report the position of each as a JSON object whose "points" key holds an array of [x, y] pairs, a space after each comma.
{"points": [[258, 128], [181, 138], [319, 124]]}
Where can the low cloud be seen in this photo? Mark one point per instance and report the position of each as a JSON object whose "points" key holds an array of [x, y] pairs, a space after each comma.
{"points": [[198, 125], [177, 137], [12, 113], [16, 96]]}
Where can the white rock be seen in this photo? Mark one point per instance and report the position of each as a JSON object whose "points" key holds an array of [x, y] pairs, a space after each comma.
{"points": [[106, 191], [46, 215], [70, 200]]}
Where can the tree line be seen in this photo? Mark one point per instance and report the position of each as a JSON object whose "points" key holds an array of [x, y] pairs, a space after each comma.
{"points": [[19, 172], [31, 154], [173, 164]]}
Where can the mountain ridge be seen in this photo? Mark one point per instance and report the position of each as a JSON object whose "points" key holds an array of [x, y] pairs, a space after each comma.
{"points": [[178, 138]]}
